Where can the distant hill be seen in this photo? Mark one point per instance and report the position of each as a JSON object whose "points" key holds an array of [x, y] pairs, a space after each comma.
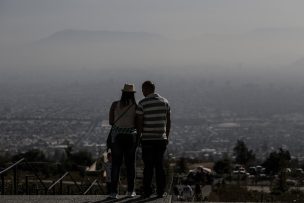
{"points": [[262, 50], [74, 49], [283, 33], [83, 36]]}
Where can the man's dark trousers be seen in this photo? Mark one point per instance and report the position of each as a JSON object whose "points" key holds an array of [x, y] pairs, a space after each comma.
{"points": [[153, 155]]}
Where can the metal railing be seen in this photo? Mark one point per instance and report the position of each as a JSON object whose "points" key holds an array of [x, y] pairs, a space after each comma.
{"points": [[60, 182], [2, 173], [46, 190], [90, 187], [52, 187]]}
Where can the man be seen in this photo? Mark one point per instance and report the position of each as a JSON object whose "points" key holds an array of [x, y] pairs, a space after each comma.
{"points": [[153, 123]]}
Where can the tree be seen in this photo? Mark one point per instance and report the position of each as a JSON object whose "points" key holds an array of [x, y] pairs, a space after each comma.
{"points": [[243, 155], [83, 158], [34, 155], [77, 161], [4, 159], [223, 166], [181, 166], [69, 150], [277, 161]]}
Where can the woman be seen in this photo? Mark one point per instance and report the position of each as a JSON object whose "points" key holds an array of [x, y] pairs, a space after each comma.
{"points": [[124, 138]]}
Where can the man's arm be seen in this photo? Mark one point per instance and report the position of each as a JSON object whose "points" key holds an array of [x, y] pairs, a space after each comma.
{"points": [[168, 124], [111, 113], [139, 123], [139, 120]]}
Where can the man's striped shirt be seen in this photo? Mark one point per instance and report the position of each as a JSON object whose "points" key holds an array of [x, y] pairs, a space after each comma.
{"points": [[154, 109]]}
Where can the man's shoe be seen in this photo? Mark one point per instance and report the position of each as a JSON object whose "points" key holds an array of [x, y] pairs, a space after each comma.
{"points": [[146, 195], [131, 194], [162, 195], [113, 196]]}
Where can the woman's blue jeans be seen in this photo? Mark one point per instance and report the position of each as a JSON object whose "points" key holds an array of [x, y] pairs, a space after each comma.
{"points": [[123, 148]]}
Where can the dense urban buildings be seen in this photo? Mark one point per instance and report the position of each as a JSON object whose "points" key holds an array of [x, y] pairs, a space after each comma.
{"points": [[207, 120]]}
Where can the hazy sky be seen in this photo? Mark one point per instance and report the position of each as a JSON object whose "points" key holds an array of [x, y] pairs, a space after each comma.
{"points": [[23, 21], [205, 34]]}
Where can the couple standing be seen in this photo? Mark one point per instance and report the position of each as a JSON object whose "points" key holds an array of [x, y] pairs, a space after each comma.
{"points": [[148, 123]]}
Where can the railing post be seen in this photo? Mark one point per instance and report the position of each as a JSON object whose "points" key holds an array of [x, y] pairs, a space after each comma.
{"points": [[15, 180], [60, 187], [37, 189], [68, 189], [26, 185], [53, 189], [100, 187], [2, 184]]}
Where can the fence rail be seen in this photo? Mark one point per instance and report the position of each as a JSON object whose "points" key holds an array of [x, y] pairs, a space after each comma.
{"points": [[26, 183]]}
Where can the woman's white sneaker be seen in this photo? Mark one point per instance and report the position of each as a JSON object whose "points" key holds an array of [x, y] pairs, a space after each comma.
{"points": [[131, 194]]}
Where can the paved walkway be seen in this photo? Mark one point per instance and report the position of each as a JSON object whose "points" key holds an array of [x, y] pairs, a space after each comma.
{"points": [[78, 199]]}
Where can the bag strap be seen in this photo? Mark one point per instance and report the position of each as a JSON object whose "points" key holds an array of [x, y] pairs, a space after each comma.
{"points": [[123, 113]]}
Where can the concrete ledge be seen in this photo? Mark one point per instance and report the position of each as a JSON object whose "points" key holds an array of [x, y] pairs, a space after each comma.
{"points": [[78, 199]]}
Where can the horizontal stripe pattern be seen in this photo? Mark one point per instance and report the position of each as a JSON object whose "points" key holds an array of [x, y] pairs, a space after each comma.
{"points": [[154, 137], [154, 109], [155, 116], [151, 122], [118, 130], [155, 127]]}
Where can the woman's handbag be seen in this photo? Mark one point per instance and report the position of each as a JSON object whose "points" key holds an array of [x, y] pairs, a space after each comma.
{"points": [[109, 138]]}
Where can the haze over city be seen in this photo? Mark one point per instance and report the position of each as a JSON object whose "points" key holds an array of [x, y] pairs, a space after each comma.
{"points": [[214, 60], [232, 72]]}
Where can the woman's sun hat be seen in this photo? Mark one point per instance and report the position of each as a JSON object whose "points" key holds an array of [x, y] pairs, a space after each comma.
{"points": [[129, 88]]}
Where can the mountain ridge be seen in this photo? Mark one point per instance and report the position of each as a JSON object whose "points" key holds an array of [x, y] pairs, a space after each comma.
{"points": [[100, 35]]}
